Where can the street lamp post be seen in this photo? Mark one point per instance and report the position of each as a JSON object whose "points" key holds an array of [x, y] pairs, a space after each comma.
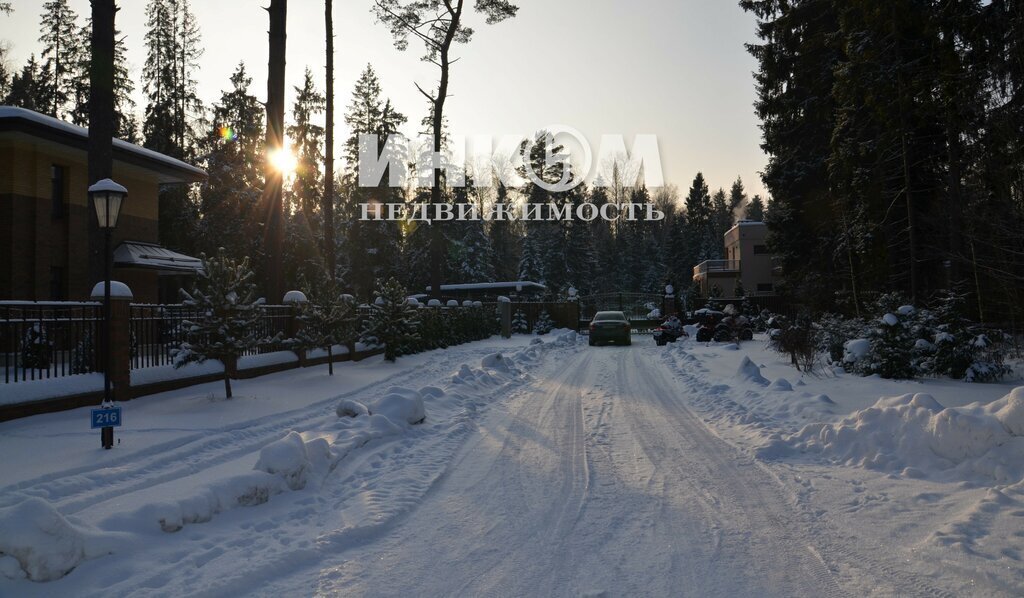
{"points": [[107, 198]]}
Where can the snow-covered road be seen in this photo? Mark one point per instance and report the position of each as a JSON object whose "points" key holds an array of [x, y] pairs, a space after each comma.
{"points": [[599, 482], [543, 468]]}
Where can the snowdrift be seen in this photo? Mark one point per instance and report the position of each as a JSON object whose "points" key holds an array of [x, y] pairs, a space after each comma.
{"points": [[44, 544], [914, 435]]}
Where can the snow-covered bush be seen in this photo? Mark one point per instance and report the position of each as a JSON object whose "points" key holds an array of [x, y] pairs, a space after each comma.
{"points": [[519, 323], [544, 323], [891, 350], [833, 333], [36, 348], [228, 315], [392, 319]]}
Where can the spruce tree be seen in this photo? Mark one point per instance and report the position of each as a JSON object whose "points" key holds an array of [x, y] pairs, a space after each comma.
{"points": [[226, 316], [328, 319], [230, 195], [62, 55], [544, 323], [470, 254], [580, 252], [505, 241], [392, 319], [307, 143], [372, 247], [26, 89], [755, 209], [519, 323]]}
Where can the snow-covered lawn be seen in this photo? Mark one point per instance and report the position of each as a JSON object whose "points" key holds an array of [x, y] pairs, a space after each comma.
{"points": [[527, 467]]}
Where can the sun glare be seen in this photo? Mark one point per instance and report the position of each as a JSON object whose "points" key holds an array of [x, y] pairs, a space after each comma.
{"points": [[284, 161]]}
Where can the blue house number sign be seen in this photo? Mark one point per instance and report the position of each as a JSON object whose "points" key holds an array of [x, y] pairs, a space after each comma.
{"points": [[106, 418]]}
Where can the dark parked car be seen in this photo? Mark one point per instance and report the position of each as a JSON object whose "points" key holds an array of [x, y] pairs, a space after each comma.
{"points": [[610, 326]]}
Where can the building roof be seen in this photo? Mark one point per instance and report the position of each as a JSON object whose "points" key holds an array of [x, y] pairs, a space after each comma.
{"points": [[136, 254], [520, 285], [171, 170]]}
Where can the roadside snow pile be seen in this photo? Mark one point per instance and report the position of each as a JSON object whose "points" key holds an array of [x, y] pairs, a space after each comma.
{"points": [[289, 458], [749, 372], [497, 361], [914, 435], [402, 406], [351, 408], [45, 545]]}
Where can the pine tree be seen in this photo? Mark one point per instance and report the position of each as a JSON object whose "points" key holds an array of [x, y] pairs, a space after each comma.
{"points": [[798, 57], [470, 255], [62, 55], [543, 257], [372, 247], [126, 126], [737, 196], [230, 195], [392, 319], [328, 319], [519, 323], [505, 241], [544, 323], [580, 252], [226, 317], [307, 143], [755, 209], [173, 48], [26, 90]]}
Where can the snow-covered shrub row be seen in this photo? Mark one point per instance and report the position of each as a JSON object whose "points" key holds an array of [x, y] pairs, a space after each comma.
{"points": [[898, 341], [38, 543], [405, 326], [907, 342], [916, 436]]}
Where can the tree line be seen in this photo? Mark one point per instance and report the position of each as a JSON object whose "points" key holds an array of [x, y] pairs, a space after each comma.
{"points": [[896, 155], [228, 138]]}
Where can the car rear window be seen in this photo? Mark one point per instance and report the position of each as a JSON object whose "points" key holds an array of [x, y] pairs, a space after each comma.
{"points": [[609, 315]]}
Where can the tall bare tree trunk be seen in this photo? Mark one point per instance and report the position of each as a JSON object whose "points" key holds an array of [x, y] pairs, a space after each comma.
{"points": [[328, 200], [274, 179], [101, 117], [437, 236]]}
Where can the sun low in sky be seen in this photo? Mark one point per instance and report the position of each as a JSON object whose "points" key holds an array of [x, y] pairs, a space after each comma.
{"points": [[677, 69]]}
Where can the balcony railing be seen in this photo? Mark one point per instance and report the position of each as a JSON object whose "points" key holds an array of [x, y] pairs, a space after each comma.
{"points": [[714, 266]]}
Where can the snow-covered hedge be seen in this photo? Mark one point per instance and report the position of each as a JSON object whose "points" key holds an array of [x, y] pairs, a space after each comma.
{"points": [[898, 340]]}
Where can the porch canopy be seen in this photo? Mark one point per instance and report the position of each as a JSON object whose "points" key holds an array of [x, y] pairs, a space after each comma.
{"points": [[136, 254]]}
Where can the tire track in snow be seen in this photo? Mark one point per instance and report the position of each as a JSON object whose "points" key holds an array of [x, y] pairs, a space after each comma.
{"points": [[874, 567], [74, 490], [762, 542]]}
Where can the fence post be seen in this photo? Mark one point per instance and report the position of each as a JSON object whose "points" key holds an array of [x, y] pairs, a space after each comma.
{"points": [[505, 309], [121, 347], [295, 299]]}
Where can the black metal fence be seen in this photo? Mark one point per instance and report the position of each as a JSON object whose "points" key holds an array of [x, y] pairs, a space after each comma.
{"points": [[40, 340], [158, 329]]}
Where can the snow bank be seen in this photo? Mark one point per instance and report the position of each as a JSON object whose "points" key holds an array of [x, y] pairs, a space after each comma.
{"points": [[915, 435], [400, 405], [749, 372], [45, 545], [351, 408], [287, 458], [497, 361], [37, 390]]}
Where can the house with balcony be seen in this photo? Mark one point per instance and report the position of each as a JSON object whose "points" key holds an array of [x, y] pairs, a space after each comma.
{"points": [[48, 232], [747, 261]]}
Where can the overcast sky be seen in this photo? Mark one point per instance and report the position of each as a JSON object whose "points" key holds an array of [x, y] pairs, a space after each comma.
{"points": [[673, 68]]}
